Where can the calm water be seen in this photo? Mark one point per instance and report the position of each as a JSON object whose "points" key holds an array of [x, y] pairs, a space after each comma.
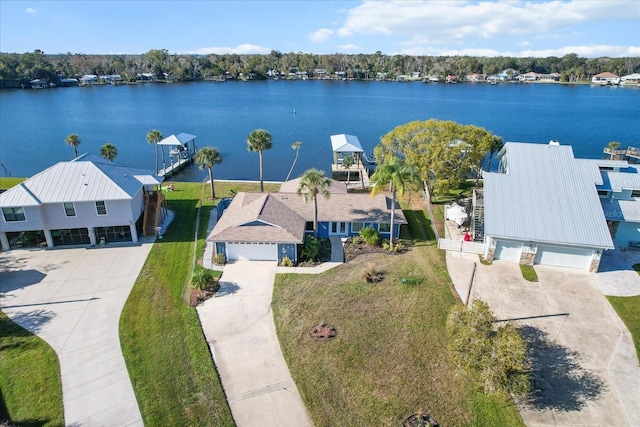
{"points": [[34, 123]]}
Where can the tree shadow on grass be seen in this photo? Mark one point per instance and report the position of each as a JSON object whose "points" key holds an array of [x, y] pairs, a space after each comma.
{"points": [[560, 382], [24, 324], [419, 228]]}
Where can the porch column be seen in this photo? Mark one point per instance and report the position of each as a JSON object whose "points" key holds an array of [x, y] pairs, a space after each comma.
{"points": [[92, 236], [4, 241], [49, 238], [134, 232]]}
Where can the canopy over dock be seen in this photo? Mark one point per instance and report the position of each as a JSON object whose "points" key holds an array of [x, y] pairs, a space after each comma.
{"points": [[345, 145], [183, 148]]}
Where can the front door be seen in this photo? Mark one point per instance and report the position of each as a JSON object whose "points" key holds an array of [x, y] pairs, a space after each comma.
{"points": [[338, 228]]}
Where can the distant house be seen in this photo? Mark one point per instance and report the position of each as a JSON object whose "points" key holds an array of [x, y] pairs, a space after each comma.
{"points": [[528, 77], [89, 78], [259, 226], [476, 77], [543, 207], [605, 78], [319, 73], [630, 80], [86, 201]]}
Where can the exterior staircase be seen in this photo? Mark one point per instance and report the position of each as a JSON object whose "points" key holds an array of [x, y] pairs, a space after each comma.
{"points": [[151, 213], [477, 222]]}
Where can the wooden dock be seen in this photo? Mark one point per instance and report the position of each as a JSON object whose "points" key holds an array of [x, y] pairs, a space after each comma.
{"points": [[175, 167]]}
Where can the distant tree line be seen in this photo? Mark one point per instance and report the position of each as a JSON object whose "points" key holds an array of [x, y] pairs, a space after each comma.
{"points": [[19, 69]]}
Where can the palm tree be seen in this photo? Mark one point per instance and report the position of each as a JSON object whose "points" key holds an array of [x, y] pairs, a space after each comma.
{"points": [[312, 183], [347, 162], [109, 151], [496, 146], [296, 146], [73, 141], [612, 147], [208, 157], [258, 141], [153, 137], [400, 177]]}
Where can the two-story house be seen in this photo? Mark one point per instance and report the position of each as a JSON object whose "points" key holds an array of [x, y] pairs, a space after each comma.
{"points": [[86, 201]]}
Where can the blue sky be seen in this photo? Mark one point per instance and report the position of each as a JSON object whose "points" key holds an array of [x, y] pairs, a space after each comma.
{"points": [[589, 28]]}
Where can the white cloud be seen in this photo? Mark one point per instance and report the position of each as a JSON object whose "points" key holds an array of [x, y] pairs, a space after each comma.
{"points": [[245, 48], [348, 47], [31, 10], [449, 25], [321, 35], [585, 51]]}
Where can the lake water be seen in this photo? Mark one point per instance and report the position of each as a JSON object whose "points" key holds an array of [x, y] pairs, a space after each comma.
{"points": [[34, 123]]}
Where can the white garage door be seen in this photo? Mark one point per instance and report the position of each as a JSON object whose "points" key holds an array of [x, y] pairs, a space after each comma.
{"points": [[252, 251], [564, 257], [508, 251]]}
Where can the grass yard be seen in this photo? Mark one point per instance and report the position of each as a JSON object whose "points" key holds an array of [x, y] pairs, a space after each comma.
{"points": [[30, 387], [389, 359], [628, 308], [168, 359]]}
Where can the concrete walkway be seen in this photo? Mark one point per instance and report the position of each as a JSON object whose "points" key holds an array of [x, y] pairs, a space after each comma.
{"points": [[585, 365], [72, 298], [239, 328]]}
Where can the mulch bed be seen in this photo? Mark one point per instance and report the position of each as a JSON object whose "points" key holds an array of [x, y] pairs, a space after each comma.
{"points": [[353, 249], [198, 296], [322, 332]]}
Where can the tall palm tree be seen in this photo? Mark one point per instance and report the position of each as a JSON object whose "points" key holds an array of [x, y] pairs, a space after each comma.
{"points": [[208, 157], [347, 162], [400, 177], [496, 145], [296, 146], [312, 183], [258, 141], [109, 151], [73, 140], [153, 137]]}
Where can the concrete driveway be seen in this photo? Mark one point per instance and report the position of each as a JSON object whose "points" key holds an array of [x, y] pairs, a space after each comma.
{"points": [[73, 298], [238, 325], [585, 367]]}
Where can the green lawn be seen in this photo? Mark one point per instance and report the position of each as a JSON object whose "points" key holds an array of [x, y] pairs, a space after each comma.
{"points": [[168, 359], [30, 387], [390, 358], [628, 308]]}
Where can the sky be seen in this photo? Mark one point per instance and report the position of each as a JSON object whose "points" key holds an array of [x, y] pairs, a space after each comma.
{"points": [[588, 28]]}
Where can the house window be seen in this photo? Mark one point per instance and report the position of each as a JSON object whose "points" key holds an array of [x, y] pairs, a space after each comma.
{"points": [[308, 226], [13, 214], [635, 193], [603, 193], [356, 227], [101, 207], [69, 209], [384, 227]]}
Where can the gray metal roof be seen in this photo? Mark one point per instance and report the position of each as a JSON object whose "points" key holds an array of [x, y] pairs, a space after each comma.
{"points": [[344, 143], [621, 210], [87, 178], [546, 196], [179, 139], [627, 178]]}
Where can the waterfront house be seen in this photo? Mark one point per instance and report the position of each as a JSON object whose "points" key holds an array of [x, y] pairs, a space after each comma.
{"points": [[543, 207], [630, 79], [270, 226], [605, 78], [86, 201]]}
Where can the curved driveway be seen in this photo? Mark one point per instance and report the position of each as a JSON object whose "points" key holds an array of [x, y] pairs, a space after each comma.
{"points": [[238, 325], [73, 298]]}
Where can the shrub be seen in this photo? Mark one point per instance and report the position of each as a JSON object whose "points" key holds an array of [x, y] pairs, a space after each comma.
{"points": [[220, 259], [286, 262], [370, 235], [310, 248], [202, 279], [495, 358], [397, 247]]}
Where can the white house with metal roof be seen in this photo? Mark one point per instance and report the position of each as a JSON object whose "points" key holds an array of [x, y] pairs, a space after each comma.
{"points": [[543, 207], [88, 200]]}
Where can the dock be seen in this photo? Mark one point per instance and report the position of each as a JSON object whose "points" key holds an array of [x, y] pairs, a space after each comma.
{"points": [[355, 181], [175, 167]]}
